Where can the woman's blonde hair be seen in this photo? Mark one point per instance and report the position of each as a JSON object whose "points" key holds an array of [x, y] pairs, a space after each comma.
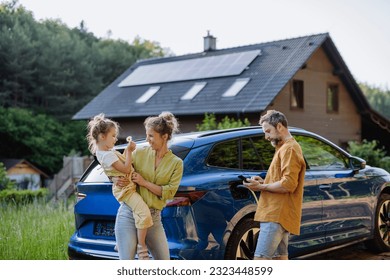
{"points": [[99, 124], [165, 123]]}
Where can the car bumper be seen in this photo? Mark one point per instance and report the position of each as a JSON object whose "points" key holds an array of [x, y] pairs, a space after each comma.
{"points": [[86, 249]]}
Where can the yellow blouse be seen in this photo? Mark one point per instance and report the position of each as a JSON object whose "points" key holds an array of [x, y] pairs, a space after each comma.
{"points": [[288, 166], [168, 175]]}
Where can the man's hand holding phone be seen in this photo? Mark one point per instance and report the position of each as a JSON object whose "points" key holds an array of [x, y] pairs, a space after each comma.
{"points": [[255, 183], [243, 178], [257, 179]]}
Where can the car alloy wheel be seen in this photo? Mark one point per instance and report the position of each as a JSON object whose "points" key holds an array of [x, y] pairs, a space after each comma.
{"points": [[242, 243], [384, 221], [381, 240]]}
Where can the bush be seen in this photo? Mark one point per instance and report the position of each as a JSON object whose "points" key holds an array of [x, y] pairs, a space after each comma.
{"points": [[385, 163], [22, 197], [369, 151], [210, 123]]}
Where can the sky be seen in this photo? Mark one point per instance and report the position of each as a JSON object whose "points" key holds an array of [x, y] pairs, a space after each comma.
{"points": [[360, 29]]}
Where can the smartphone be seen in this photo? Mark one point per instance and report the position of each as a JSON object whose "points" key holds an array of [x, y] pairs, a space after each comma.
{"points": [[243, 178]]}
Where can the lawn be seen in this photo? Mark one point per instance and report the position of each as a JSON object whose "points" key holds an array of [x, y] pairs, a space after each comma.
{"points": [[36, 231]]}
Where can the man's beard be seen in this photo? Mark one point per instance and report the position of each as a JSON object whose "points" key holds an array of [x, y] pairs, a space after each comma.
{"points": [[275, 141]]}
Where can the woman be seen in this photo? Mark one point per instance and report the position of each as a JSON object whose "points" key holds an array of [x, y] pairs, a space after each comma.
{"points": [[158, 173]]}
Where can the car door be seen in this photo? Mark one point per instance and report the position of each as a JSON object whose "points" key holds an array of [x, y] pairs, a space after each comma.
{"points": [[345, 195]]}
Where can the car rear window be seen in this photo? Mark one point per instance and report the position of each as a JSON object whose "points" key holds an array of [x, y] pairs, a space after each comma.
{"points": [[95, 175], [180, 151]]}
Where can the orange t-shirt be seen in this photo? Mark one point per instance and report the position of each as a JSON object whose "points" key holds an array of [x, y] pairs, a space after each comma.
{"points": [[288, 166]]}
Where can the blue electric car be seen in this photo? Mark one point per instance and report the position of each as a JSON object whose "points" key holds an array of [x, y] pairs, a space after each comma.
{"points": [[211, 216]]}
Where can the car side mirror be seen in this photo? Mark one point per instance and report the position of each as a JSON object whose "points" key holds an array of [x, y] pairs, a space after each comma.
{"points": [[357, 163]]}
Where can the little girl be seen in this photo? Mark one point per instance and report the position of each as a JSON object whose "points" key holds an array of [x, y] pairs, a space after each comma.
{"points": [[102, 136]]}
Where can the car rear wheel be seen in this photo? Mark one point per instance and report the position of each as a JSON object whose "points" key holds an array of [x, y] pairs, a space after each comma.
{"points": [[242, 242], [381, 240]]}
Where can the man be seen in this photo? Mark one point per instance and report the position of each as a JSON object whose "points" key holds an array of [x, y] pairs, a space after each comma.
{"points": [[280, 205]]}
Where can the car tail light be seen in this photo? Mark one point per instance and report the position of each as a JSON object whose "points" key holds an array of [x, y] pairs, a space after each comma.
{"points": [[80, 196], [186, 198]]}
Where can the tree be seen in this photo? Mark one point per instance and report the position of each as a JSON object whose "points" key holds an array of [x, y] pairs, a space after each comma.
{"points": [[210, 123], [378, 98], [5, 182], [50, 68], [48, 72], [38, 138], [17, 55]]}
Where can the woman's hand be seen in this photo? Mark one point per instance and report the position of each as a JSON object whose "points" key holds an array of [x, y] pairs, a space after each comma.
{"points": [[120, 181], [138, 179], [124, 181]]}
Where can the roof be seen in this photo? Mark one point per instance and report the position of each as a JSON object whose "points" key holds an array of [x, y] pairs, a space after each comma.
{"points": [[11, 162], [269, 72]]}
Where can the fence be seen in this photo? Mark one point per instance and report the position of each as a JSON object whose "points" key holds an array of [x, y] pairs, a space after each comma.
{"points": [[63, 183]]}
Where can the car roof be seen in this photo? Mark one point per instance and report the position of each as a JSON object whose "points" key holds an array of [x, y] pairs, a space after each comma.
{"points": [[199, 138]]}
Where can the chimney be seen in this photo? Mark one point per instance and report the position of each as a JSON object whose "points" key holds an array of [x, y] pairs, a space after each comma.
{"points": [[209, 42]]}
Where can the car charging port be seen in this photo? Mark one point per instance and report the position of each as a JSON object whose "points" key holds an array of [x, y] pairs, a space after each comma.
{"points": [[186, 198]]}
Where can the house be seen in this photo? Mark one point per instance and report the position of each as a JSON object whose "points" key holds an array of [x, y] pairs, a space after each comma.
{"points": [[24, 174], [305, 78]]}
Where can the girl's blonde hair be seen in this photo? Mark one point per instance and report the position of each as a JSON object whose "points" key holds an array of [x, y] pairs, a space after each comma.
{"points": [[99, 124], [165, 123]]}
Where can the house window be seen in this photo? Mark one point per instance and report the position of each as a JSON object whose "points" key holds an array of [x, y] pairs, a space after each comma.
{"points": [[332, 99], [147, 95], [296, 100], [235, 88], [193, 91]]}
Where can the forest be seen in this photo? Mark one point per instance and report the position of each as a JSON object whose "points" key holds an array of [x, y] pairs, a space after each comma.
{"points": [[49, 71]]}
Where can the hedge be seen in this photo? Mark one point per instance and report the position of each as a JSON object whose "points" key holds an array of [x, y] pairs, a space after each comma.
{"points": [[19, 197]]}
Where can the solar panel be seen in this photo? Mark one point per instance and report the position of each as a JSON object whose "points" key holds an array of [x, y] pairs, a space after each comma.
{"points": [[191, 69]]}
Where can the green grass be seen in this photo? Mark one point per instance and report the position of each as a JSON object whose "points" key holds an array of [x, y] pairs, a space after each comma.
{"points": [[36, 231]]}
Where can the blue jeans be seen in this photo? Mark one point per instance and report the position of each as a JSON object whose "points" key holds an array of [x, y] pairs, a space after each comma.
{"points": [[126, 235], [272, 241]]}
